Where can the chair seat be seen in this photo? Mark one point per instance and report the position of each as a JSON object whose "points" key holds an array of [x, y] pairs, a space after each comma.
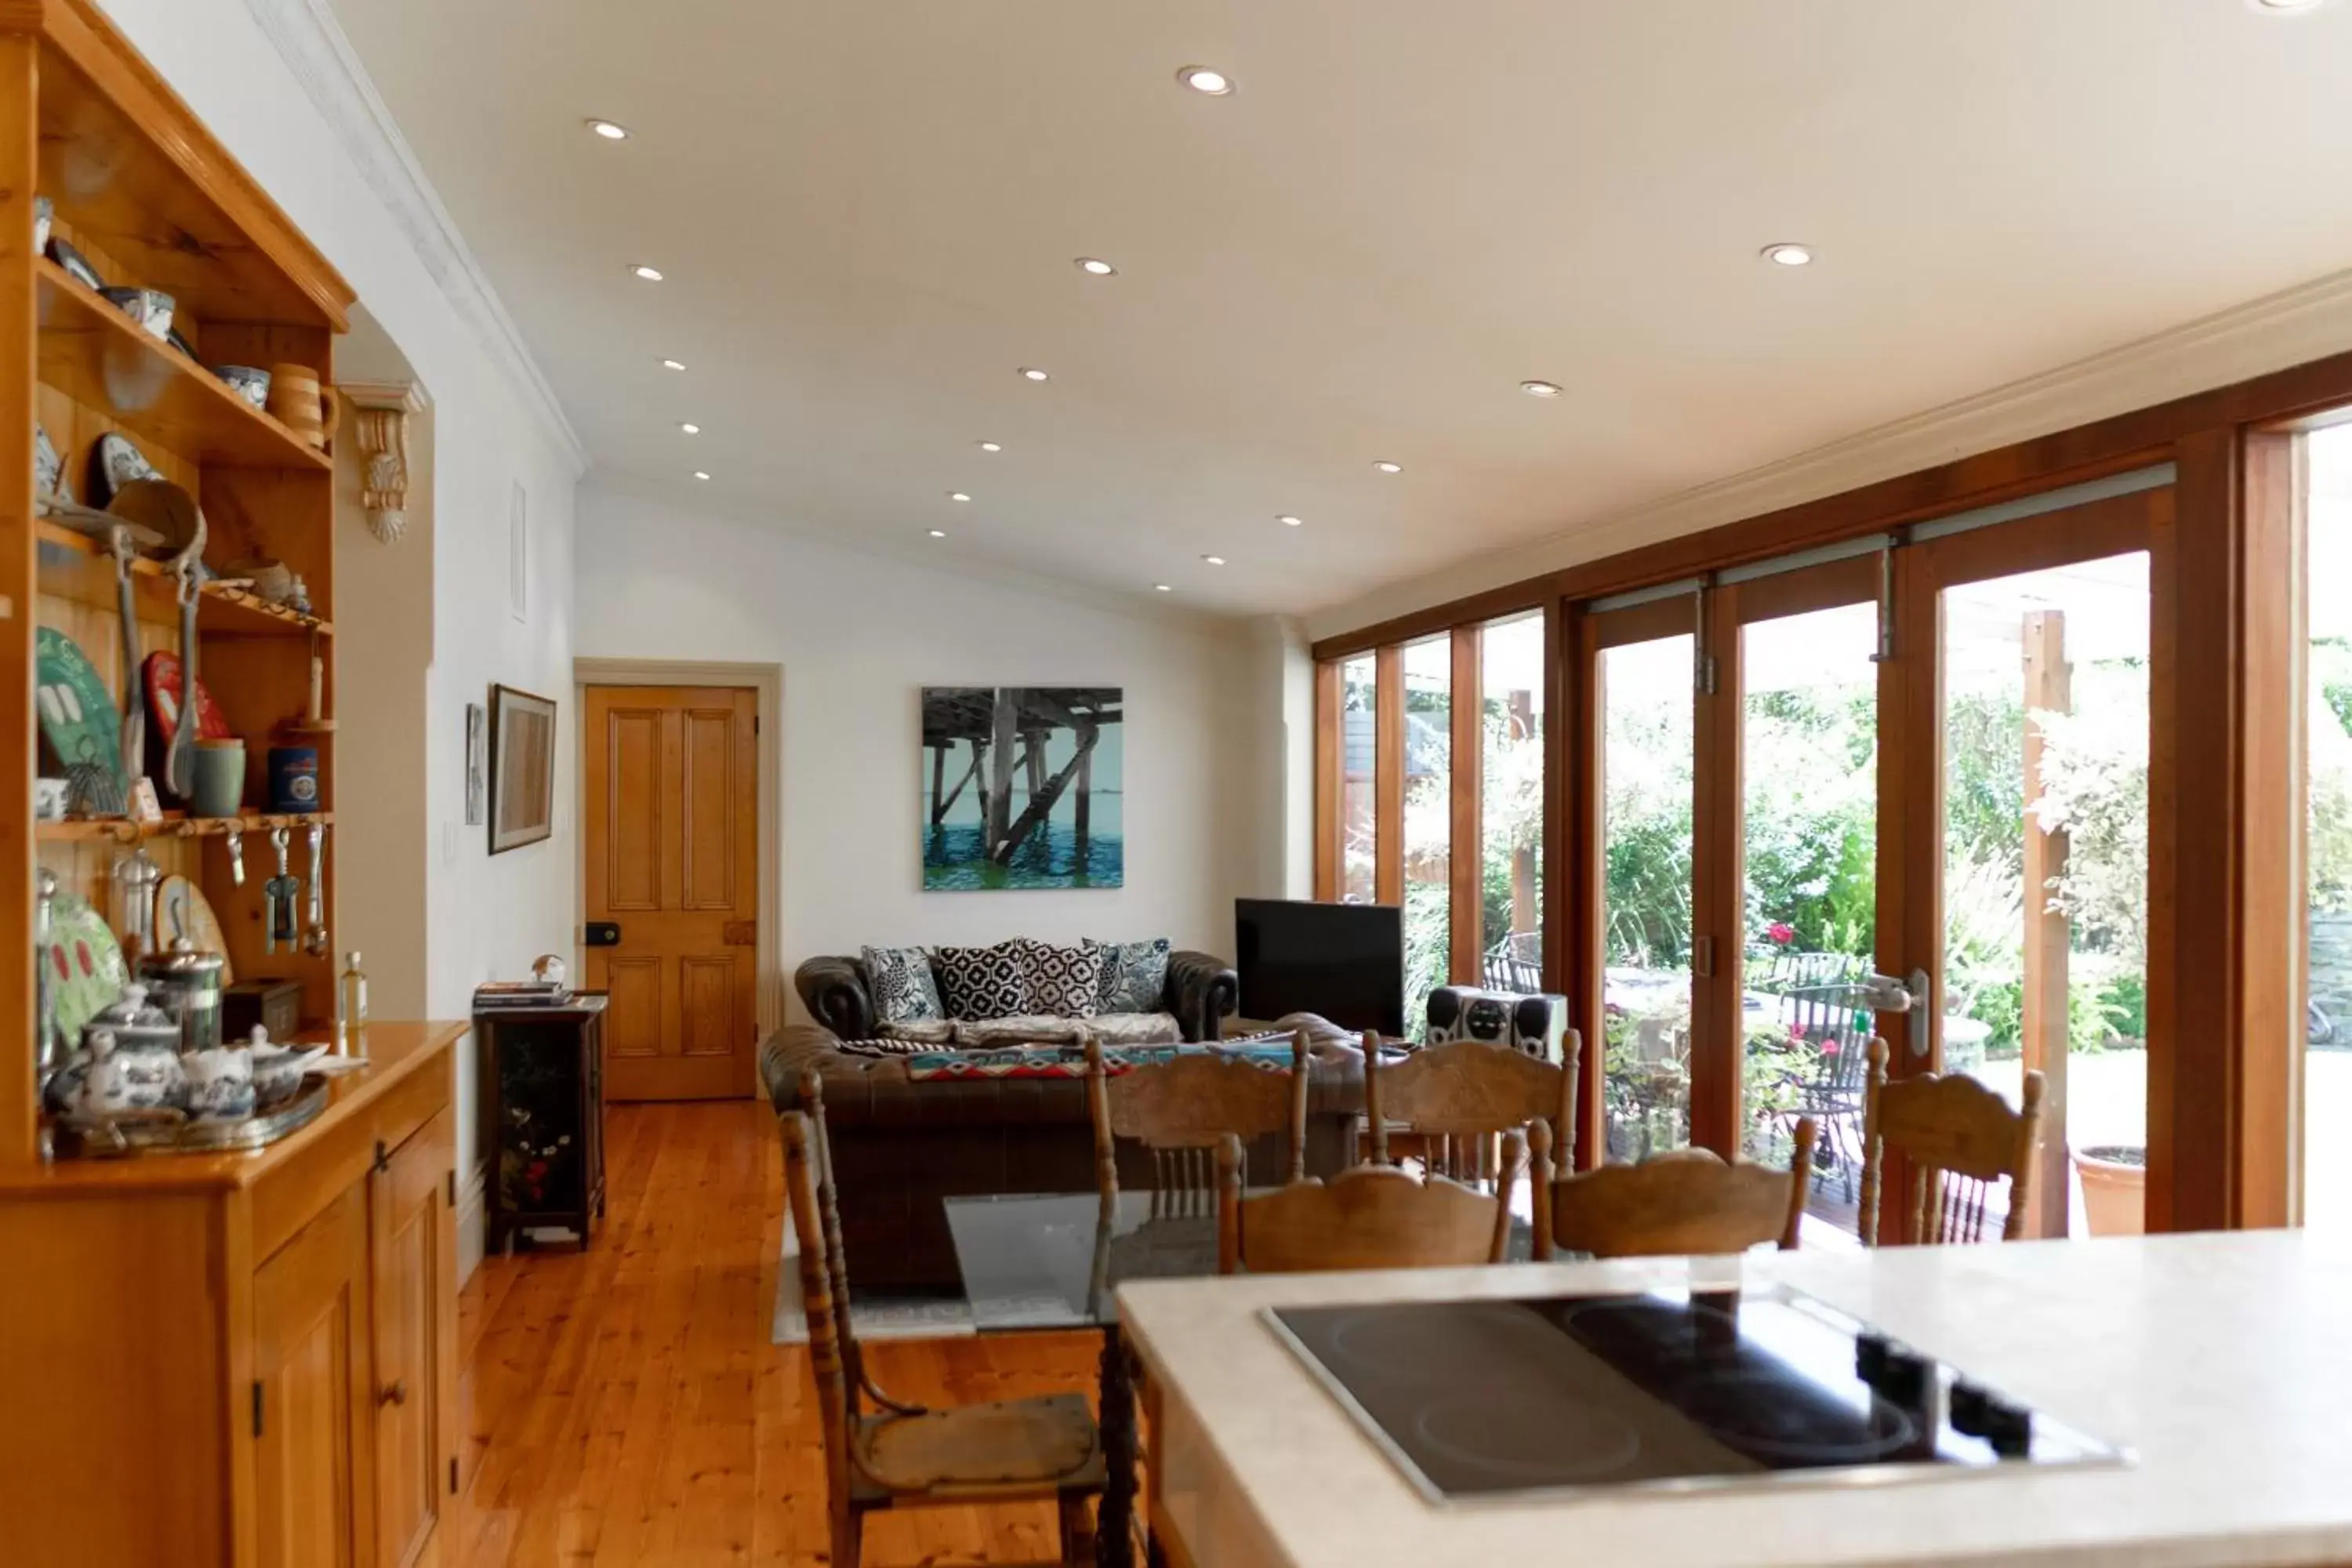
{"points": [[1047, 1444]]}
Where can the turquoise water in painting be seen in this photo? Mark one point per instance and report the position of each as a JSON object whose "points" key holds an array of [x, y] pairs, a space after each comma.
{"points": [[954, 859]]}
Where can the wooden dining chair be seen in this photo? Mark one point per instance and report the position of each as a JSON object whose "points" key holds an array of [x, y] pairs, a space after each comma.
{"points": [[903, 1457], [1688, 1202], [1455, 1101], [1368, 1216], [1180, 1109], [1957, 1138]]}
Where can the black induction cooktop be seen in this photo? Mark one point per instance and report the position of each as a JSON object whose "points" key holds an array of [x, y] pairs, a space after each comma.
{"points": [[1495, 1399]]}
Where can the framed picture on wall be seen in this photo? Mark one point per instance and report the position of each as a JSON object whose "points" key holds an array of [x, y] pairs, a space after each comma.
{"points": [[523, 769], [478, 762]]}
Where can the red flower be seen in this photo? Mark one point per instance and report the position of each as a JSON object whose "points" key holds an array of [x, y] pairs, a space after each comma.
{"points": [[1781, 932]]}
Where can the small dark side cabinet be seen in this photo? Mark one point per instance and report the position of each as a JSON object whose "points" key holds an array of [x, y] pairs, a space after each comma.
{"points": [[541, 1118]]}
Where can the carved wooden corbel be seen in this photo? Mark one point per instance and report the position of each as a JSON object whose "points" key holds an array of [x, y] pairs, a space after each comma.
{"points": [[380, 413]]}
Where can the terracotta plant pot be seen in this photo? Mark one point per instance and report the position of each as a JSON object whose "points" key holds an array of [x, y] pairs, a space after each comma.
{"points": [[2114, 1187]]}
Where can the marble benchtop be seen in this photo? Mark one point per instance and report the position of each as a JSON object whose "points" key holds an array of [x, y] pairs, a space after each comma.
{"points": [[2225, 1360]]}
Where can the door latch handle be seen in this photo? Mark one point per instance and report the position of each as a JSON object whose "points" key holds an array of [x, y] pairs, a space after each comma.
{"points": [[602, 933], [1910, 994]]}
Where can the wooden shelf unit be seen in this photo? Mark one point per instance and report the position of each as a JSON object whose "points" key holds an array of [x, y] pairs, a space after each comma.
{"points": [[147, 196], [266, 1340]]}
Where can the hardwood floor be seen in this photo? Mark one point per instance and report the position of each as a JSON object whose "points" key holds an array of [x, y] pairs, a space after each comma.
{"points": [[625, 1406]]}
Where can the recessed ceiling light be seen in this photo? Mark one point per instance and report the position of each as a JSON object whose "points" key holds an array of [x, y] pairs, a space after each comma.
{"points": [[1214, 560], [1031, 373], [1540, 388], [608, 130], [939, 533], [650, 274], [989, 445], [958, 495], [1161, 588], [672, 364], [1787, 255], [1386, 467], [691, 428], [700, 475], [1201, 79], [1292, 521], [1094, 265]]}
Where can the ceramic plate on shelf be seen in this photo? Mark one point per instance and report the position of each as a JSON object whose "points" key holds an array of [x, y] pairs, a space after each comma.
{"points": [[161, 673], [85, 962], [75, 266], [79, 718], [114, 462], [49, 466], [182, 910]]}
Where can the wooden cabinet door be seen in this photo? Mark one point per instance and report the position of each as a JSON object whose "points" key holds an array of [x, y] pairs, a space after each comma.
{"points": [[412, 1235], [311, 1414], [673, 857]]}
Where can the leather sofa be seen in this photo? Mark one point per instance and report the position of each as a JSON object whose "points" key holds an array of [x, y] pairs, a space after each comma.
{"points": [[901, 1146], [1202, 990]]}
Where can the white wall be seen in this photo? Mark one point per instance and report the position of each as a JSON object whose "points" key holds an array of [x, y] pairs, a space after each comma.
{"points": [[858, 636], [484, 916]]}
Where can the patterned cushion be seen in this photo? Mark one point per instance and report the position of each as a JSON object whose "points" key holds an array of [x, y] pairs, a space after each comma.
{"points": [[1135, 1028], [1062, 981], [1064, 1061], [1027, 1030], [900, 979], [926, 1031], [1134, 975], [984, 982]]}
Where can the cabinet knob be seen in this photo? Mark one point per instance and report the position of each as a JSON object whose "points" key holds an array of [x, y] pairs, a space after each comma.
{"points": [[395, 1393]]}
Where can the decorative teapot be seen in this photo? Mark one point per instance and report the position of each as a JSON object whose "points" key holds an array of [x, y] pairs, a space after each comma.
{"points": [[220, 1083], [139, 1070], [277, 1069]]}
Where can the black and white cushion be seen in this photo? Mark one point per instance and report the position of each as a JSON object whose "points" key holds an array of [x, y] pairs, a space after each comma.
{"points": [[900, 979], [1064, 982], [1134, 975], [984, 982]]}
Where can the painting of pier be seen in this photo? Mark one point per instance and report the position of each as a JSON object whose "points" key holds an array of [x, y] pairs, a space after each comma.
{"points": [[1022, 787]]}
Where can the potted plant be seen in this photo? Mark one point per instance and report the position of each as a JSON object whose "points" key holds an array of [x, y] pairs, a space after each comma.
{"points": [[2114, 1187]]}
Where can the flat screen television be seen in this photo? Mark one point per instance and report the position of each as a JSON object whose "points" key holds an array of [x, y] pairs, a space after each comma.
{"points": [[1345, 962]]}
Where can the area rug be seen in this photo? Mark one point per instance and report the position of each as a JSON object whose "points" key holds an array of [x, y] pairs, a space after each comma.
{"points": [[873, 1315]]}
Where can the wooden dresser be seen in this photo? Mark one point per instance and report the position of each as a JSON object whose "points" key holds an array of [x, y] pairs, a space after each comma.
{"points": [[241, 1359]]}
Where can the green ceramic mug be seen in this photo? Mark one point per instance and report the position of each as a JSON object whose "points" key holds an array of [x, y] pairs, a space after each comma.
{"points": [[220, 778]]}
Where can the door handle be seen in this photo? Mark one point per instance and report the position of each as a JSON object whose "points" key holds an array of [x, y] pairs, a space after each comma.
{"points": [[395, 1393], [1886, 994], [602, 933]]}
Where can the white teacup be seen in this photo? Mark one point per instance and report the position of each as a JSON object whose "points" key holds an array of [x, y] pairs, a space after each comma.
{"points": [[220, 1083]]}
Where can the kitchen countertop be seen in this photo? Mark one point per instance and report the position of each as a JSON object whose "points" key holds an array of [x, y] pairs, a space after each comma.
{"points": [[2223, 1360]]}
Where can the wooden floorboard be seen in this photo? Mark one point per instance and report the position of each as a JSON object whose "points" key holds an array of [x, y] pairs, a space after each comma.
{"points": [[624, 1408]]}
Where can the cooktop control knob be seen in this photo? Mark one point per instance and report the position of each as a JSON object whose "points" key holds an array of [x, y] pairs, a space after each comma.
{"points": [[1869, 1356], [1905, 1378], [2009, 1428]]}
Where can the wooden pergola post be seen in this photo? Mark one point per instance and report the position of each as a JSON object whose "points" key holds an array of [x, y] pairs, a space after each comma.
{"points": [[2049, 933]]}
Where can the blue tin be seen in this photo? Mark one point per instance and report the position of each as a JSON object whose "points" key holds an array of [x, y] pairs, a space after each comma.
{"points": [[293, 778]]}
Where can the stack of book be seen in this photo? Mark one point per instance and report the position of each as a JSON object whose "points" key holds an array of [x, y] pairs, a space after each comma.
{"points": [[493, 994]]}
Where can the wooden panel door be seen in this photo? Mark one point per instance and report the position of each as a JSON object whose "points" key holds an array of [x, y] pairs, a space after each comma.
{"points": [[412, 1237], [310, 1370], [673, 861]]}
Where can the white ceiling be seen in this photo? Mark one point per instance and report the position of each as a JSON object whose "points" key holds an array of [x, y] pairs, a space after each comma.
{"points": [[868, 214]]}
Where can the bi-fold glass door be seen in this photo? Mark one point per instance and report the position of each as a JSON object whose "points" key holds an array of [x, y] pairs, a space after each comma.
{"points": [[1898, 789]]}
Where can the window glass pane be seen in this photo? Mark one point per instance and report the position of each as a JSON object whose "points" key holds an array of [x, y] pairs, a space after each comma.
{"points": [[1646, 772], [1511, 788], [1808, 749], [1358, 716], [2327, 728], [1428, 823], [2045, 867]]}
